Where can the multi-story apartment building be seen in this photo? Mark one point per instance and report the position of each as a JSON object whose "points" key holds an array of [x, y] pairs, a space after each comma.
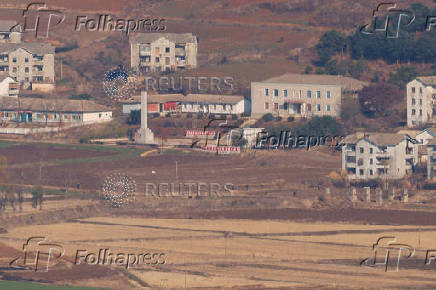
{"points": [[28, 62], [7, 32], [163, 51], [301, 95], [421, 101], [378, 155]]}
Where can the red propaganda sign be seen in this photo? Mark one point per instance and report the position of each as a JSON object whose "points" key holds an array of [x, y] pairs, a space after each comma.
{"points": [[221, 149], [200, 133]]}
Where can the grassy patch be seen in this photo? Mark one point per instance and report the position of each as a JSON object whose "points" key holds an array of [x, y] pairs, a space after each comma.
{"points": [[34, 286]]}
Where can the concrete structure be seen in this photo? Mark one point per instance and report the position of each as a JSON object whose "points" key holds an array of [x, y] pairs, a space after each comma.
{"points": [[192, 103], [421, 101], [378, 155], [28, 62], [144, 135], [163, 51], [9, 32], [301, 95], [8, 86], [32, 110], [431, 160]]}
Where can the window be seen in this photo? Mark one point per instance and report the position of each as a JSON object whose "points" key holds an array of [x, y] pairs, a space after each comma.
{"points": [[309, 94], [371, 161], [266, 106], [371, 172], [413, 101], [167, 49], [309, 107], [99, 115], [285, 106], [276, 92], [318, 107], [14, 69], [420, 112], [328, 108], [413, 90], [420, 91], [26, 59], [26, 69], [371, 151], [267, 92], [224, 107], [420, 102], [276, 106], [413, 112], [361, 171], [285, 93], [157, 59], [318, 94], [38, 116], [328, 95], [14, 59], [361, 150], [65, 117], [167, 60]]}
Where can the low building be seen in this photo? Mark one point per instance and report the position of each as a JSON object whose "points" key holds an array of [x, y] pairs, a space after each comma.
{"points": [[159, 52], [8, 86], [421, 101], [192, 103], [33, 110], [378, 155], [301, 95], [9, 32]]}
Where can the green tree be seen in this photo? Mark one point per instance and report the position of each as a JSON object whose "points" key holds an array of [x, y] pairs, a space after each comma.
{"points": [[330, 43]]}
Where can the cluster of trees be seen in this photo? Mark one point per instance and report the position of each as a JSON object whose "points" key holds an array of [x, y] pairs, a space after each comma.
{"points": [[414, 44]]}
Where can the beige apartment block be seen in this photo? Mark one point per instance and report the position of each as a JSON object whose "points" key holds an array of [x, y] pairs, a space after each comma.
{"points": [[9, 32], [378, 155], [158, 52], [28, 62], [301, 95], [421, 101]]}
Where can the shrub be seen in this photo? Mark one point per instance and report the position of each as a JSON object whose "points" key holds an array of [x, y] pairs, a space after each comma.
{"points": [[279, 119], [267, 117], [291, 119]]}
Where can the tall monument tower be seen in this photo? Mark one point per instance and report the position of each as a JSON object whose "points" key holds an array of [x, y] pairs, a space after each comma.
{"points": [[144, 135]]}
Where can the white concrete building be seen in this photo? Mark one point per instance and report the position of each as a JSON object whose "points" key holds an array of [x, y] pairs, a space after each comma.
{"points": [[301, 95], [163, 51], [9, 32], [378, 155], [421, 101], [8, 86]]}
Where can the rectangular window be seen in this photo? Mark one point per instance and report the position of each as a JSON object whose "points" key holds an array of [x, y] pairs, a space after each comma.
{"points": [[309, 107], [14, 59], [371, 172], [413, 112], [285, 93], [361, 171], [420, 91], [26, 59], [276, 106], [328, 95], [371, 161], [157, 59], [309, 94], [267, 92], [361, 150], [276, 92], [318, 94], [413, 101], [167, 49], [328, 108], [318, 107], [413, 90], [420, 102], [26, 69], [420, 112], [370, 151], [266, 106]]}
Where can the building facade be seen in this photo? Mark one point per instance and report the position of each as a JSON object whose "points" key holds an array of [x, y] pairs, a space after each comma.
{"points": [[9, 32], [158, 52], [8, 86], [28, 62], [32, 110], [421, 101], [378, 155], [301, 95]]}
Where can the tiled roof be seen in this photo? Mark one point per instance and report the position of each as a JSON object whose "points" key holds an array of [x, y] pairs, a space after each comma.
{"points": [[428, 81], [56, 105], [313, 79], [380, 139], [173, 37], [190, 98], [32, 47]]}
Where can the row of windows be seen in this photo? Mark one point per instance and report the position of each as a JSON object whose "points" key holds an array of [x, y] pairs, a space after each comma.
{"points": [[414, 101], [371, 172], [362, 150], [300, 93], [286, 107], [146, 48], [414, 112], [414, 90]]}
